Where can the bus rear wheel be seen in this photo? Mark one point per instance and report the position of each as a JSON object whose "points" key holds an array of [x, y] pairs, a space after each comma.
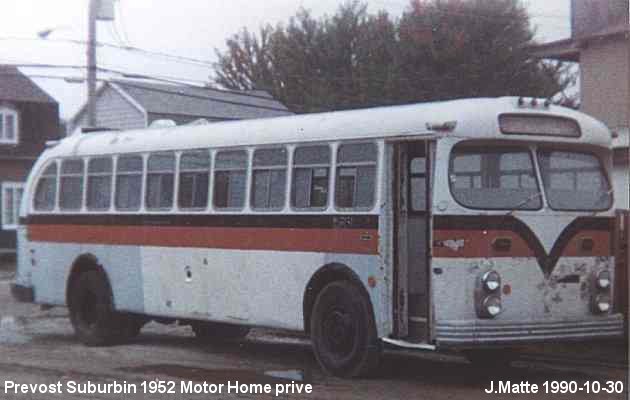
{"points": [[92, 312], [216, 331], [343, 331]]}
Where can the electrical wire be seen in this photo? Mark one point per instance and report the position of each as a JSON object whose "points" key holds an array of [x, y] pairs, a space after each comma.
{"points": [[188, 60]]}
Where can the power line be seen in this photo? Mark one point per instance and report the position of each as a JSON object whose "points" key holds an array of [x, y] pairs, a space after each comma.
{"points": [[189, 60], [166, 91], [159, 78], [121, 18]]}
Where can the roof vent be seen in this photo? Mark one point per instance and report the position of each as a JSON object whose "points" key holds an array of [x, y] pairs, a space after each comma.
{"points": [[162, 123], [200, 121], [90, 129], [442, 126]]}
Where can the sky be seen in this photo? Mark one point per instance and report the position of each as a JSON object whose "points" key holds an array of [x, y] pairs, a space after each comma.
{"points": [[188, 29]]}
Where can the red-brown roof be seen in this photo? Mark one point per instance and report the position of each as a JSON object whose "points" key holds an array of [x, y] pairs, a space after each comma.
{"points": [[15, 86]]}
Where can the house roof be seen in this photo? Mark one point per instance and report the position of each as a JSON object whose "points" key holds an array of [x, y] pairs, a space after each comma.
{"points": [[198, 102], [15, 86], [162, 98], [569, 49]]}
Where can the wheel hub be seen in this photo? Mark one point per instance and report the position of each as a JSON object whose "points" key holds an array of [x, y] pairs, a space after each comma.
{"points": [[339, 330]]}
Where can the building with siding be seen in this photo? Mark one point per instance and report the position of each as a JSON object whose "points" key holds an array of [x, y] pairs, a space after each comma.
{"points": [[124, 104], [28, 118], [600, 42]]}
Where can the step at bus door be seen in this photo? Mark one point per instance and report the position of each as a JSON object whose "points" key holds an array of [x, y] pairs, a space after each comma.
{"points": [[412, 223]]}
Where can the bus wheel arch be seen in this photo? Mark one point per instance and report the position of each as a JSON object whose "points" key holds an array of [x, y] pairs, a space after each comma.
{"points": [[90, 302], [83, 263], [327, 274]]}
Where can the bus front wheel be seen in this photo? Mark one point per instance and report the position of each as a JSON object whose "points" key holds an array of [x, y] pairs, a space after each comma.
{"points": [[343, 331], [92, 312]]}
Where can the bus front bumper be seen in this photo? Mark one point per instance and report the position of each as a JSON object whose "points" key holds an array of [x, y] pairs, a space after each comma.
{"points": [[485, 332], [22, 294]]}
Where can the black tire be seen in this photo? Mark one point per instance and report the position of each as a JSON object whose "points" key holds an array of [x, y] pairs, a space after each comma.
{"points": [[92, 312], [343, 331], [217, 332], [131, 324]]}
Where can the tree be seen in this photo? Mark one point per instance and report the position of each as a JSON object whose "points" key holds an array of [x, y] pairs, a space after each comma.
{"points": [[437, 49]]}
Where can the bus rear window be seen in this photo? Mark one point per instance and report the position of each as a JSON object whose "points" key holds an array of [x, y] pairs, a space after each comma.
{"points": [[494, 178], [574, 181], [46, 190], [71, 185]]}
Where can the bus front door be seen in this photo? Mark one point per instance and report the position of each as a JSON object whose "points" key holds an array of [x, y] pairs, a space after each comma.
{"points": [[412, 223]]}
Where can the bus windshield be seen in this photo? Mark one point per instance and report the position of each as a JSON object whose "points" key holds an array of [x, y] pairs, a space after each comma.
{"points": [[574, 181], [496, 178]]}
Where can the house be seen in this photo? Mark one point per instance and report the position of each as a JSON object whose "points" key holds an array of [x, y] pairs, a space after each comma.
{"points": [[600, 42], [124, 104], [28, 118]]}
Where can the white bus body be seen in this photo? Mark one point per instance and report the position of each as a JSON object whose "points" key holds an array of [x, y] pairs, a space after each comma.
{"points": [[468, 223]]}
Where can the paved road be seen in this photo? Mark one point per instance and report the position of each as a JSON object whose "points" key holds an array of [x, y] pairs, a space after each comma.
{"points": [[37, 347]]}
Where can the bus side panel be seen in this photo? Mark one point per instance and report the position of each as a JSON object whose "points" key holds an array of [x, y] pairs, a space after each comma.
{"points": [[122, 264], [255, 287], [263, 288]]}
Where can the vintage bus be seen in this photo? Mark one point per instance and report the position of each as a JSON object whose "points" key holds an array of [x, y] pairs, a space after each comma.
{"points": [[474, 224]]}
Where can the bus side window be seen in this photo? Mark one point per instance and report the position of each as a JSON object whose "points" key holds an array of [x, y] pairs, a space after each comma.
{"points": [[128, 183], [46, 190], [356, 171], [160, 181], [71, 185], [194, 179], [99, 184], [230, 173], [311, 171], [269, 178]]}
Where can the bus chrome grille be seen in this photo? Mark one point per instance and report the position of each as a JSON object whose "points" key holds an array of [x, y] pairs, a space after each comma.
{"points": [[453, 333]]}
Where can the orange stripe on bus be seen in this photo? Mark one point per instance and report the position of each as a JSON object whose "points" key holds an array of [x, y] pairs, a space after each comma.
{"points": [[358, 241], [479, 244]]}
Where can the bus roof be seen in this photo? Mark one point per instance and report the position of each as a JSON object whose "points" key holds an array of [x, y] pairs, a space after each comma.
{"points": [[475, 118]]}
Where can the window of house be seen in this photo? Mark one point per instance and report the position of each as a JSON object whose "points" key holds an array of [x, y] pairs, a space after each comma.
{"points": [[311, 176], [160, 181], [194, 179], [9, 125], [71, 185], [99, 184], [11, 198], [230, 173], [356, 173], [128, 183], [46, 190], [269, 176]]}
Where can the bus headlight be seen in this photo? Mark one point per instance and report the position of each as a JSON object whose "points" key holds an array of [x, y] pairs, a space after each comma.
{"points": [[491, 281], [602, 304], [603, 280], [492, 306]]}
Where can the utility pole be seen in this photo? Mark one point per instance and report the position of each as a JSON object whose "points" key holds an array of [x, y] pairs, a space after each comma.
{"points": [[99, 10], [91, 62]]}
